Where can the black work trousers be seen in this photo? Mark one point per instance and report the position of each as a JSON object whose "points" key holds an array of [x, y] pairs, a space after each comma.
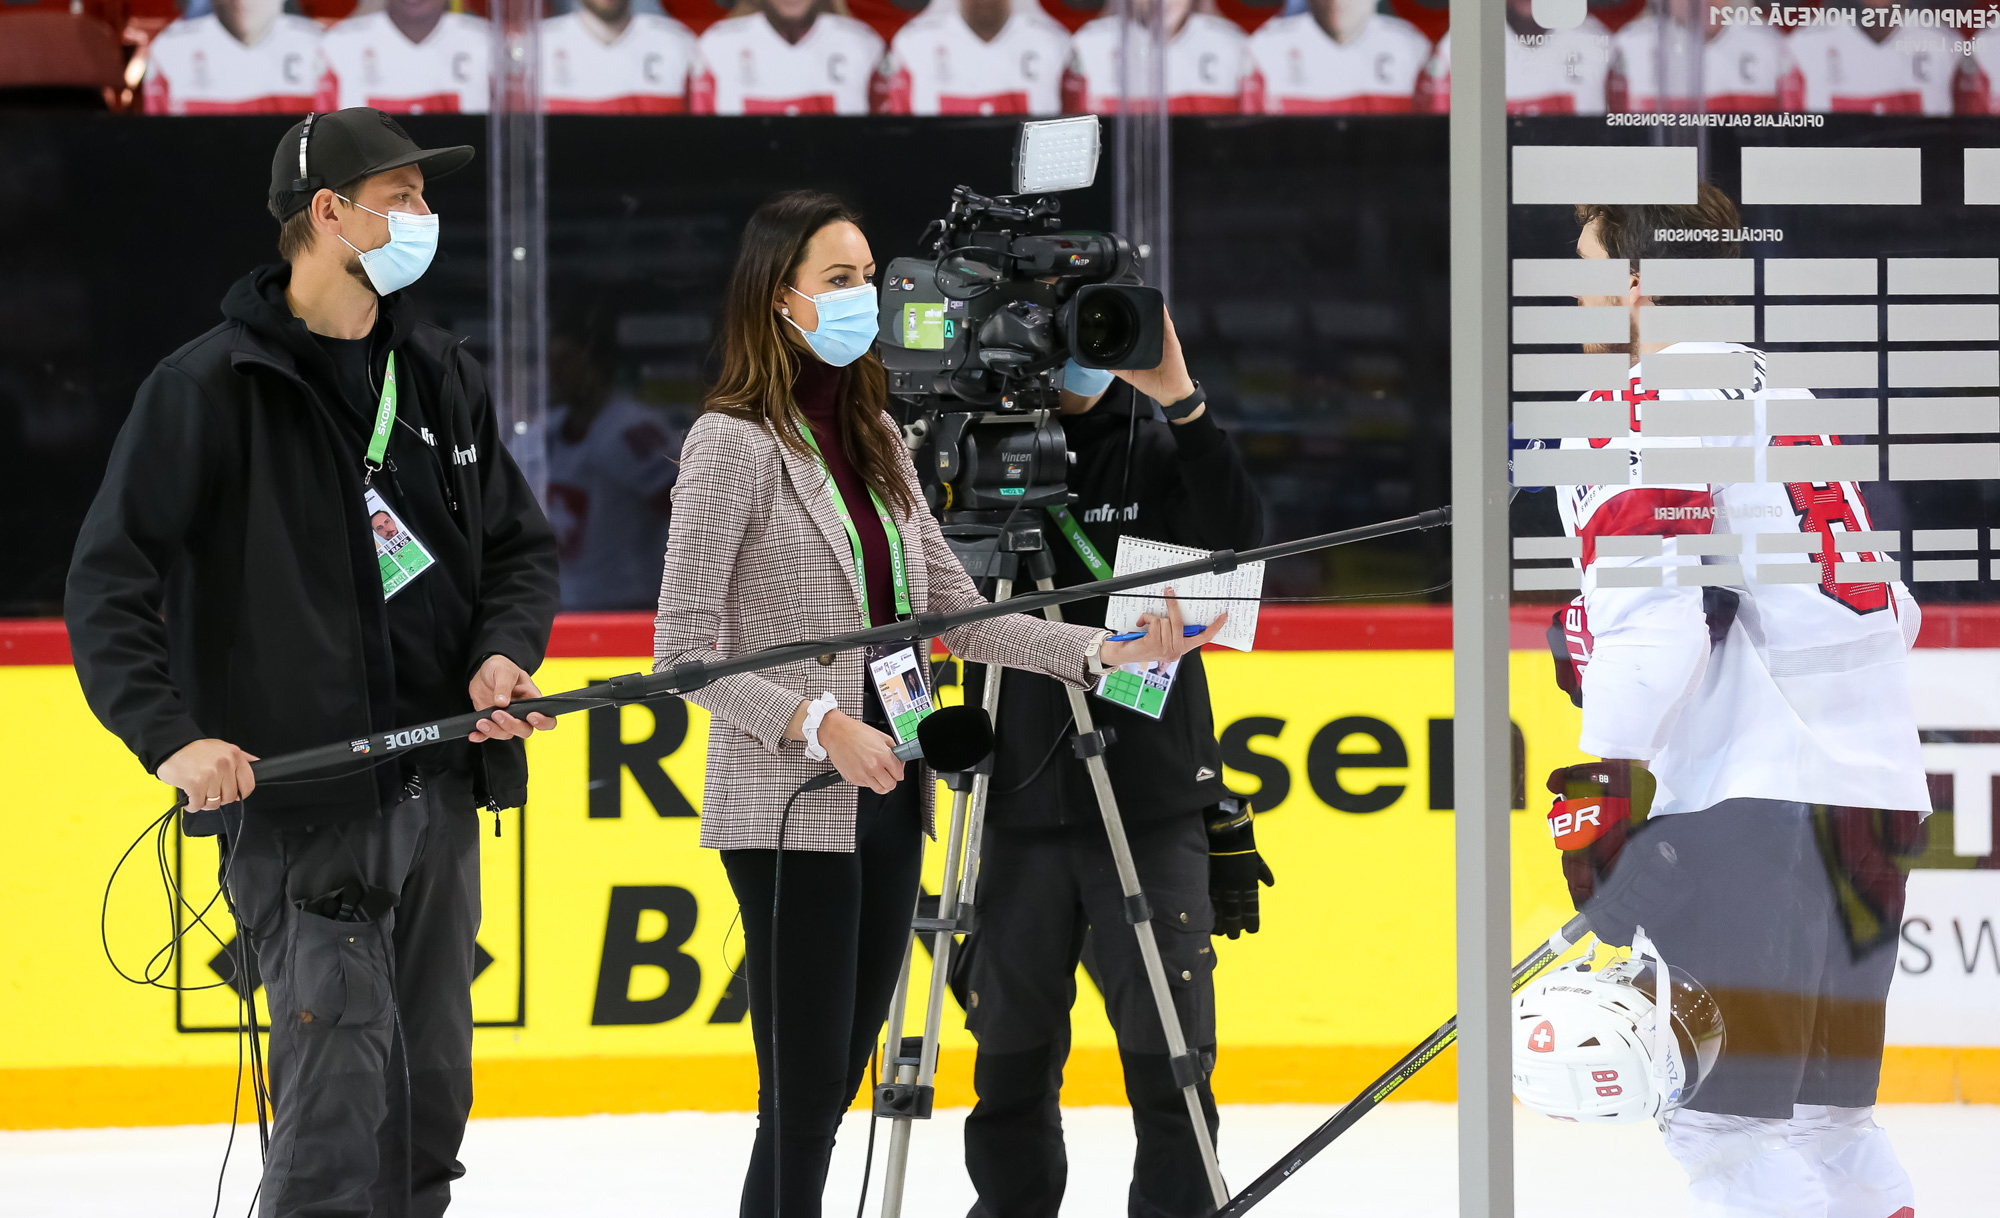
{"points": [[1040, 891], [371, 1016], [834, 954]]}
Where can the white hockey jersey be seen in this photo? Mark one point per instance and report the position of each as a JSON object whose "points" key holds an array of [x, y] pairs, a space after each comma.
{"points": [[1838, 69], [366, 61], [1972, 84], [196, 66], [1553, 72], [937, 65], [1806, 697], [744, 66], [644, 71], [1208, 62], [609, 495], [1298, 68], [1739, 68]]}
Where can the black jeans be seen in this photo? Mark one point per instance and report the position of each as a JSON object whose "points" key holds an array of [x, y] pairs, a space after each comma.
{"points": [[842, 922], [1048, 897], [360, 1009]]}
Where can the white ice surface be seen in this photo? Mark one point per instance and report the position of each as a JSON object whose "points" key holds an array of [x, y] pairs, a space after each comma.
{"points": [[1400, 1162]]}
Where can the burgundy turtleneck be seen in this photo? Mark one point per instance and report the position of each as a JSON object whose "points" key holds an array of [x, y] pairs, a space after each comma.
{"points": [[817, 392]]}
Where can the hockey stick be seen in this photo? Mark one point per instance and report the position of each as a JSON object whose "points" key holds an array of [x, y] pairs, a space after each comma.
{"points": [[1400, 1073]]}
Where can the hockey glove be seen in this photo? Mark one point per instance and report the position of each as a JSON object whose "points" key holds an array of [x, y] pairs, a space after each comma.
{"points": [[1234, 868], [1599, 804]]}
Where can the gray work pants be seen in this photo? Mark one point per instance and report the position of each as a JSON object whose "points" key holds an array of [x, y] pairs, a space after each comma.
{"points": [[370, 1012]]}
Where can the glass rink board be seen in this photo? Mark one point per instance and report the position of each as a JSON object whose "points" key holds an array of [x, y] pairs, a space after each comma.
{"points": [[1753, 455]]}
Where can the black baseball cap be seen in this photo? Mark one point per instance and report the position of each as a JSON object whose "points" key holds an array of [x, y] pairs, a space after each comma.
{"points": [[341, 146]]}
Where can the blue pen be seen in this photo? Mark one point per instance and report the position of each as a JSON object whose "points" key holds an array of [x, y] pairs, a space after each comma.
{"points": [[1187, 632]]}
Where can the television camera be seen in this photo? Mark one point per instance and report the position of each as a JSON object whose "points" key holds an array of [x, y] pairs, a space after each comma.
{"points": [[979, 326]]}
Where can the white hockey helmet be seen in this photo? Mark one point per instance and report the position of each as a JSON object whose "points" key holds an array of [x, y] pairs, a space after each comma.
{"points": [[1590, 1046]]}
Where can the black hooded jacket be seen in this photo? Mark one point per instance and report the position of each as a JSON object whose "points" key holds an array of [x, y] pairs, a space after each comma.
{"points": [[225, 582], [1186, 485]]}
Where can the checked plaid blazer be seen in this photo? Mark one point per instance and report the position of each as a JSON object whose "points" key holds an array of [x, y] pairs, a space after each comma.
{"points": [[756, 557]]}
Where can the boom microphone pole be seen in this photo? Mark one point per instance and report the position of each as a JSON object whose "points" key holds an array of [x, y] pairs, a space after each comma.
{"points": [[683, 678]]}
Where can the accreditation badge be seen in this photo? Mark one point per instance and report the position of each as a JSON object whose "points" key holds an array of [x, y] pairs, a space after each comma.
{"points": [[401, 556], [1140, 687], [898, 678]]}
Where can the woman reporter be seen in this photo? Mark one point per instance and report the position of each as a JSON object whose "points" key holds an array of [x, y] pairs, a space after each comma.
{"points": [[797, 515]]}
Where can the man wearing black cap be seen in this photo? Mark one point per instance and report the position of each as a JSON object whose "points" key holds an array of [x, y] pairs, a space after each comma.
{"points": [[233, 596]]}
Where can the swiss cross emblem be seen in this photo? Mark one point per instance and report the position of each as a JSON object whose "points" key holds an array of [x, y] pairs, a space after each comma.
{"points": [[1543, 1038]]}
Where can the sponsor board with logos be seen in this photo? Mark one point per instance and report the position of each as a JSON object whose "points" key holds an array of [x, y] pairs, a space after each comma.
{"points": [[609, 945]]}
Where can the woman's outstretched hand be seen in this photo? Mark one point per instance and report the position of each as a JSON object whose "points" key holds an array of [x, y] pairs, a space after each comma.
{"points": [[1164, 641]]}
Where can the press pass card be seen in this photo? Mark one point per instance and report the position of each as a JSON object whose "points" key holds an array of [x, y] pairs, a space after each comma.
{"points": [[899, 682], [1139, 687], [401, 555]]}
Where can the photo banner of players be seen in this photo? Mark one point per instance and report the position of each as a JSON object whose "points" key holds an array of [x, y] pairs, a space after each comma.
{"points": [[1043, 57]]}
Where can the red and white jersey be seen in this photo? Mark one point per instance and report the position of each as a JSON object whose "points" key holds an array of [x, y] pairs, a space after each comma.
{"points": [[196, 66], [609, 495], [744, 66], [643, 71], [1739, 68], [1553, 72], [1207, 64], [1837, 69], [1434, 82], [937, 65], [367, 61], [1298, 68], [1972, 84], [1806, 697], [1558, 71]]}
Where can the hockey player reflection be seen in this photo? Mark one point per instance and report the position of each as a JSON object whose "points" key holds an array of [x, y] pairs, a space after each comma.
{"points": [[786, 57], [975, 57], [1337, 57], [1207, 63], [603, 58], [1840, 68], [1548, 71], [1739, 67], [1729, 644], [243, 57]]}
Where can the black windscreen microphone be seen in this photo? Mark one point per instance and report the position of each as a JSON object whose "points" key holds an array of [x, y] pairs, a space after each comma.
{"points": [[950, 738]]}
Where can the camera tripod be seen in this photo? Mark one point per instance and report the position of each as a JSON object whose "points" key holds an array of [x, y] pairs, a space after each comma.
{"points": [[998, 553]]}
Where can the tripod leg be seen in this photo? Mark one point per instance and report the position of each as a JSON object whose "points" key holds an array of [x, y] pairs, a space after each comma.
{"points": [[1186, 1069], [955, 891], [892, 1053]]}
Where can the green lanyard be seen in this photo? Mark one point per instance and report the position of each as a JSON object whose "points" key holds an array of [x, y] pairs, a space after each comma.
{"points": [[385, 421], [897, 576], [1081, 544]]}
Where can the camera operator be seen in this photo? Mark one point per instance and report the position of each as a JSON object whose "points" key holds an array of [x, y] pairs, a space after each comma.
{"points": [[1046, 873]]}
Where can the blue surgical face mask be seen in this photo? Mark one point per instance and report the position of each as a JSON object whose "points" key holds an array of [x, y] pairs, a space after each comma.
{"points": [[1085, 382], [847, 324], [413, 242]]}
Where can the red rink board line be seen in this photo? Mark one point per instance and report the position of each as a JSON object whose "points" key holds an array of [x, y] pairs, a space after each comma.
{"points": [[1279, 628]]}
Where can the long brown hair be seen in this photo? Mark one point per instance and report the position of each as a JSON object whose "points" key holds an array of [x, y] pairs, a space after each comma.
{"points": [[760, 363]]}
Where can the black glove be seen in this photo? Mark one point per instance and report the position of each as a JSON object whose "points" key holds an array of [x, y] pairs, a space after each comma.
{"points": [[1234, 868]]}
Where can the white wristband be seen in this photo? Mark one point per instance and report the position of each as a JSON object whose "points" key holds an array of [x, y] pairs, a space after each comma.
{"points": [[816, 710], [1093, 659]]}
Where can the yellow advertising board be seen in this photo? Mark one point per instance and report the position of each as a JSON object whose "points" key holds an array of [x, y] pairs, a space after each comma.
{"points": [[609, 937]]}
